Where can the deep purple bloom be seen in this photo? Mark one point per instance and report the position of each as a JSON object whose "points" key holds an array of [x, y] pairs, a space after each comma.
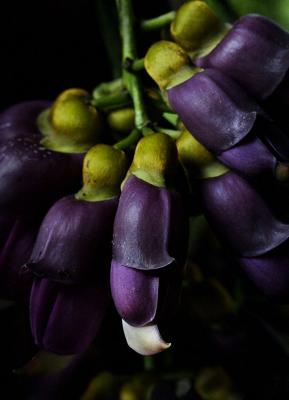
{"points": [[66, 319], [150, 228], [21, 119], [15, 251], [145, 297], [214, 109], [31, 175], [74, 240], [255, 52], [245, 220], [230, 124], [251, 157], [270, 272], [149, 251], [242, 217]]}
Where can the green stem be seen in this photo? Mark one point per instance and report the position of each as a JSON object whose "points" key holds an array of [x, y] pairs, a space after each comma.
{"points": [[172, 118], [112, 101], [158, 22], [174, 134], [107, 21], [136, 65], [128, 141], [131, 79]]}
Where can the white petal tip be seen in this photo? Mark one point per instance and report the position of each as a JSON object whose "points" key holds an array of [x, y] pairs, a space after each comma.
{"points": [[145, 340]]}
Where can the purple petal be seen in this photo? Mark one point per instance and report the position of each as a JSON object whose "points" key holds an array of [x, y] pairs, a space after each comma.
{"points": [[270, 272], [255, 53], [251, 158], [145, 297], [20, 119], [214, 109], [14, 253], [241, 216], [135, 294], [31, 174], [74, 240], [66, 319], [150, 229]]}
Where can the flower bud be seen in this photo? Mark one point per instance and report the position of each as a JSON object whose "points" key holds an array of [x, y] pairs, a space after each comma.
{"points": [[167, 63], [121, 120], [104, 168], [253, 42], [191, 152], [195, 25], [72, 124], [155, 159]]}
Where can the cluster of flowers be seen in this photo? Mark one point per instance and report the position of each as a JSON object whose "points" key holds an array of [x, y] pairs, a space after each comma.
{"points": [[233, 100], [71, 252], [60, 248]]}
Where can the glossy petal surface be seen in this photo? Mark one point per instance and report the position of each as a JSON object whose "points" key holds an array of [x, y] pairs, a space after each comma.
{"points": [[270, 272], [20, 119], [214, 109], [241, 216], [65, 319], [255, 53], [150, 226], [74, 240]]}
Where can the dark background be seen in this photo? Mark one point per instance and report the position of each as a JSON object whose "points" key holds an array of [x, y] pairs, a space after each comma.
{"points": [[50, 45]]}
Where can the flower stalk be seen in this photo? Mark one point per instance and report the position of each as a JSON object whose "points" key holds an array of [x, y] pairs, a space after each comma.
{"points": [[130, 78]]}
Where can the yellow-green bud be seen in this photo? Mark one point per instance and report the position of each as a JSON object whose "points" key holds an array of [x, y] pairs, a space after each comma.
{"points": [[191, 152], [155, 159], [168, 64], [121, 120], [194, 23], [71, 124], [104, 168]]}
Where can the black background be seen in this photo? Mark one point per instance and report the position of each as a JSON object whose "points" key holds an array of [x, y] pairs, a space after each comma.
{"points": [[49, 45]]}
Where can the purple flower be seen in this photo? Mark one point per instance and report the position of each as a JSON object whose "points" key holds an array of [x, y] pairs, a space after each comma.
{"points": [[149, 250], [72, 255], [255, 52], [230, 124], [17, 239], [246, 221], [30, 174], [74, 240], [21, 119], [65, 319], [150, 226]]}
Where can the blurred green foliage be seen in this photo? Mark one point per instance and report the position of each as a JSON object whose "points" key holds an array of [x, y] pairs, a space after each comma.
{"points": [[278, 10]]}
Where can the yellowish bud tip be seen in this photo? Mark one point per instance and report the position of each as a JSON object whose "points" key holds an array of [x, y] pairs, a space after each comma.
{"points": [[155, 159], [104, 168], [194, 23], [191, 152], [164, 60], [122, 120], [73, 118]]}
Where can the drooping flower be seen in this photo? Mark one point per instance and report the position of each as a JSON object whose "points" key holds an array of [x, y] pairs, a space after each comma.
{"points": [[245, 220], [255, 53], [38, 166], [149, 245], [220, 114], [71, 257]]}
